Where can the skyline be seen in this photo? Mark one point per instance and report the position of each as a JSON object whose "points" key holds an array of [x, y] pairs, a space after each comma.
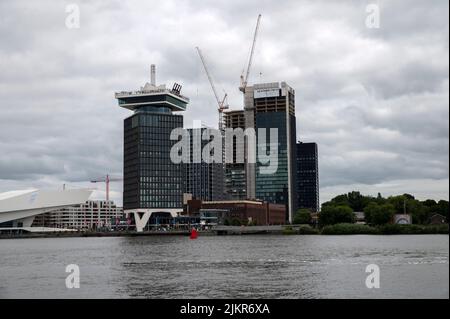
{"points": [[374, 100]]}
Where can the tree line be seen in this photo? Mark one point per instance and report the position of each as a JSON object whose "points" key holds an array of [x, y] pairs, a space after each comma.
{"points": [[377, 210]]}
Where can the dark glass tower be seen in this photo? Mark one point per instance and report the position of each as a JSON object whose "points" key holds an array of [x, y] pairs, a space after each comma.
{"points": [[151, 181], [272, 106], [308, 176], [204, 181]]}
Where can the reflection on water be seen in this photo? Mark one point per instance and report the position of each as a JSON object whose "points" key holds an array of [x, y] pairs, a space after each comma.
{"points": [[226, 267]]}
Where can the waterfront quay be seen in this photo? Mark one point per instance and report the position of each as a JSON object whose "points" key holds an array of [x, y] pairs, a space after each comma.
{"points": [[218, 230]]}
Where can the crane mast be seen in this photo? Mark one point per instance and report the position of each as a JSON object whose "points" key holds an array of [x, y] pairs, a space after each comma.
{"points": [[107, 180], [250, 59], [221, 103]]}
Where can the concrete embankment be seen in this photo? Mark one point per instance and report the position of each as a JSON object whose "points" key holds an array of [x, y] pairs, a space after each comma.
{"points": [[95, 234], [219, 230], [248, 230]]}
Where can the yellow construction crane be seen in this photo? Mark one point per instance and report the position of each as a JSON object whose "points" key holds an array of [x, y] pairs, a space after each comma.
{"points": [[220, 102]]}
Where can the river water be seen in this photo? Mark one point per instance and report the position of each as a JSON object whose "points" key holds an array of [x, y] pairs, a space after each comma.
{"points": [[226, 267]]}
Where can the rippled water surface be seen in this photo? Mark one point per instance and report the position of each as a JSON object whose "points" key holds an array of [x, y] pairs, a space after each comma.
{"points": [[226, 267]]}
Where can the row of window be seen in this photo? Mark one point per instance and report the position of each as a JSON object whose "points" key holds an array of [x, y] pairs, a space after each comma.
{"points": [[159, 204], [168, 192], [159, 177]]}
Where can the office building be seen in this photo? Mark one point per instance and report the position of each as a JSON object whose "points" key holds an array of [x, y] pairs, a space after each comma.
{"points": [[272, 106], [152, 182], [203, 180], [235, 179], [308, 176]]}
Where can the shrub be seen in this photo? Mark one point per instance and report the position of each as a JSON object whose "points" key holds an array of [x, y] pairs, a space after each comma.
{"points": [[288, 230], [349, 229], [307, 230], [303, 216], [413, 229], [331, 215], [376, 214]]}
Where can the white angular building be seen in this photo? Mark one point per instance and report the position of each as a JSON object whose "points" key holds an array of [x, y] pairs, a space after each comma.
{"points": [[18, 209]]}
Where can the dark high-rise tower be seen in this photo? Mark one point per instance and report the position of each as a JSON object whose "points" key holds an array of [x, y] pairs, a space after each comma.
{"points": [[152, 182], [203, 180], [272, 106], [307, 176], [235, 181]]}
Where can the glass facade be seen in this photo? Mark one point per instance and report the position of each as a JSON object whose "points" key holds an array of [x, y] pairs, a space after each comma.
{"points": [[151, 180], [204, 181], [276, 111], [272, 187], [235, 181], [307, 176]]}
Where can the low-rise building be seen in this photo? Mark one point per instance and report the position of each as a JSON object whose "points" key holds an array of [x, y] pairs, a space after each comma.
{"points": [[243, 211], [360, 218], [19, 209], [93, 214], [438, 219], [402, 219]]}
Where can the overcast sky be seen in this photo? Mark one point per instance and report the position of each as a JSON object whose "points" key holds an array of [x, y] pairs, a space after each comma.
{"points": [[375, 100]]}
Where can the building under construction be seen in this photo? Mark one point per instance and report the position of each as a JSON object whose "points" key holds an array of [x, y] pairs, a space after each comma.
{"points": [[272, 106], [235, 180], [268, 106]]}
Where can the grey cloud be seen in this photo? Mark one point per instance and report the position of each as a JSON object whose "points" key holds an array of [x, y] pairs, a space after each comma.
{"points": [[376, 101]]}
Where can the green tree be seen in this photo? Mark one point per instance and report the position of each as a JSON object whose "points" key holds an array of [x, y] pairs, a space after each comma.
{"points": [[407, 204], [355, 200], [341, 200], [380, 200], [376, 214], [331, 215], [303, 216], [431, 203], [398, 202], [442, 208], [420, 213]]}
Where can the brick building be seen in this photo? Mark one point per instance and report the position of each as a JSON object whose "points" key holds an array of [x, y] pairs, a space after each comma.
{"points": [[246, 211]]}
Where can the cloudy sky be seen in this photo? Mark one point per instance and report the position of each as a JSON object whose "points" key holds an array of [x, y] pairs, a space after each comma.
{"points": [[374, 99]]}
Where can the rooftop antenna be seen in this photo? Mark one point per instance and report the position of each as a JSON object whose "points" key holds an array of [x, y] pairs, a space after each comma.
{"points": [[153, 75]]}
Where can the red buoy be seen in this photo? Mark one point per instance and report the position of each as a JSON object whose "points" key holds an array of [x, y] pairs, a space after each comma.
{"points": [[194, 234]]}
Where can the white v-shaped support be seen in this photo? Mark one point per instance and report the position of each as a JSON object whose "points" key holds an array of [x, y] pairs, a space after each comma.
{"points": [[141, 222]]}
